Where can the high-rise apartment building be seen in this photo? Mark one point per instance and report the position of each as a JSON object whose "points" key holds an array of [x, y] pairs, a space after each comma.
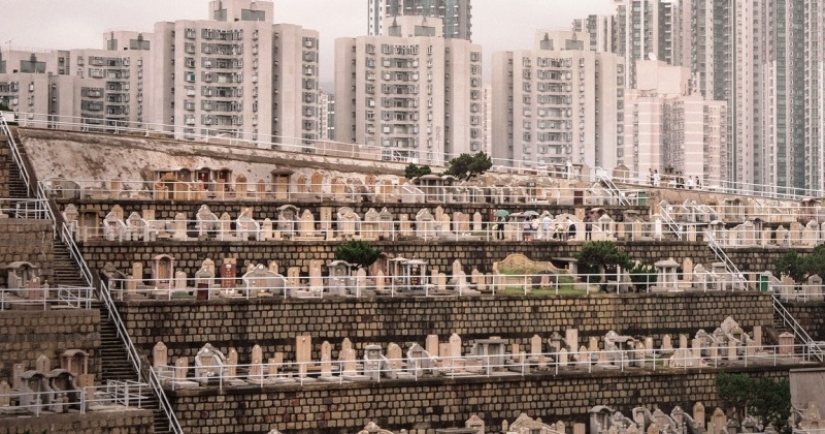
{"points": [[557, 104], [326, 115], [237, 75], [412, 92], [456, 15], [669, 127]]}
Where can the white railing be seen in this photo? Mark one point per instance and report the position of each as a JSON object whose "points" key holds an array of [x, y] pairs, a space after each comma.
{"points": [[67, 238], [47, 298], [383, 369], [817, 349], [671, 224], [607, 181], [277, 286], [23, 208], [389, 230], [124, 393], [252, 191]]}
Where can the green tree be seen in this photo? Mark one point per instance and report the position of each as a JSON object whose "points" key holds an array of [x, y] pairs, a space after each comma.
{"points": [[360, 254], [413, 171], [798, 267], [815, 262], [601, 255], [736, 392], [772, 403], [792, 265], [765, 398], [467, 166], [642, 275]]}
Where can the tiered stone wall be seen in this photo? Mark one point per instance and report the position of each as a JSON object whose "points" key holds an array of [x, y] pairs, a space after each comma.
{"points": [[25, 335], [185, 326], [26, 240], [109, 422], [189, 255], [5, 164], [810, 316], [442, 403]]}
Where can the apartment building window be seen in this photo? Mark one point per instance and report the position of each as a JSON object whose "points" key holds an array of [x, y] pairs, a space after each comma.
{"points": [[309, 42]]}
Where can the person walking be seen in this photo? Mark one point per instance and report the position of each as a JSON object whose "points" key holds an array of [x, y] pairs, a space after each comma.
{"points": [[657, 180], [588, 228], [545, 227], [571, 230], [526, 229], [500, 228]]}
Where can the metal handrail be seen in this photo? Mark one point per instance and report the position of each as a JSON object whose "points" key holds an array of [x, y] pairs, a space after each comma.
{"points": [[813, 346], [74, 253], [676, 229], [611, 186]]}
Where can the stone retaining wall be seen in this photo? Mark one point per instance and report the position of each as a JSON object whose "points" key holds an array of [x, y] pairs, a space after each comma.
{"points": [[110, 422], [442, 403], [26, 240], [5, 164], [185, 326], [809, 316], [25, 335], [189, 255]]}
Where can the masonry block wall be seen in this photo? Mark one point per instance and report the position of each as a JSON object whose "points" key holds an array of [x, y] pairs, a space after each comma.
{"points": [[5, 164], [185, 326], [427, 405], [25, 335], [131, 421], [809, 315], [26, 240], [189, 255]]}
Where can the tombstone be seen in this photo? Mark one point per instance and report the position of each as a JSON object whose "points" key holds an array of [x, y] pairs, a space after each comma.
{"points": [[348, 222], [394, 357], [425, 225], [718, 422], [225, 227], [796, 233], [160, 355], [326, 360], [303, 353], [667, 346], [306, 226], [232, 364], [17, 376], [316, 279], [181, 368], [256, 368], [477, 222], [732, 356], [593, 344], [228, 275], [652, 429], [699, 415], [454, 349], [535, 348], [432, 345], [687, 270], [757, 336], [5, 394], [43, 364], [180, 228], [571, 338], [266, 230], [563, 358], [370, 226], [786, 344], [683, 341], [347, 357]]}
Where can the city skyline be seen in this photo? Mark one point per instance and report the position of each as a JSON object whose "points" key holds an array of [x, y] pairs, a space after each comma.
{"points": [[82, 24]]}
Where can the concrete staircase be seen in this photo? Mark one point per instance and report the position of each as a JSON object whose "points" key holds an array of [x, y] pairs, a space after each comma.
{"points": [[114, 363]]}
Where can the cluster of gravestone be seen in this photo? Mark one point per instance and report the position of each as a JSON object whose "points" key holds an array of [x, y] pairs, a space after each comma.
{"points": [[727, 345], [44, 390]]}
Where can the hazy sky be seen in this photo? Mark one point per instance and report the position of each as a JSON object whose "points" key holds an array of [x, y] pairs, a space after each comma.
{"points": [[497, 24]]}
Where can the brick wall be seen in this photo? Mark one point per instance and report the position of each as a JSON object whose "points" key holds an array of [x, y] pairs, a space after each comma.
{"points": [[189, 255], [109, 422], [809, 315], [441, 403], [5, 162], [185, 326], [28, 334], [26, 240]]}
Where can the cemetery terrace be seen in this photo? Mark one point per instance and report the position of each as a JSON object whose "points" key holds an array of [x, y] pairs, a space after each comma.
{"points": [[221, 270]]}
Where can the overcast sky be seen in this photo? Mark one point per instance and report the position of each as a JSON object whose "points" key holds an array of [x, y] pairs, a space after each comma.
{"points": [[497, 24]]}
